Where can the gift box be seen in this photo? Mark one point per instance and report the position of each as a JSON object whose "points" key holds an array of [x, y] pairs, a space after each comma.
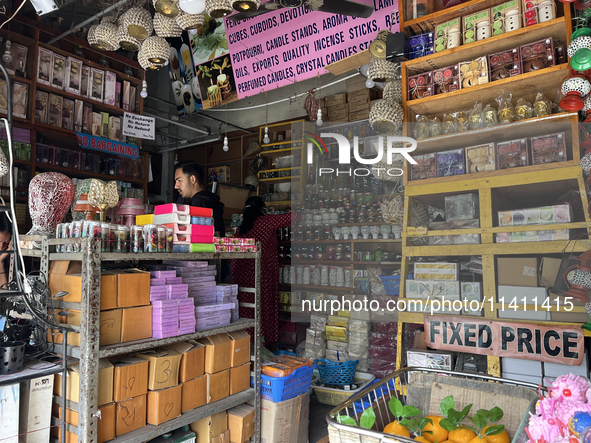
{"points": [[461, 207], [446, 79], [480, 158], [425, 167], [536, 216], [474, 72], [476, 26], [419, 45], [537, 55], [447, 35], [451, 163], [504, 64], [512, 154], [420, 86], [548, 149]]}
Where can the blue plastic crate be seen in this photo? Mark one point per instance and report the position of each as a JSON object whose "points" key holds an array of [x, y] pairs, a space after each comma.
{"points": [[281, 352], [392, 283], [279, 389], [361, 405]]}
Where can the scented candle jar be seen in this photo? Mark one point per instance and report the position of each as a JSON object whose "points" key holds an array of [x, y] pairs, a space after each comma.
{"points": [[151, 238], [105, 237], [137, 239]]}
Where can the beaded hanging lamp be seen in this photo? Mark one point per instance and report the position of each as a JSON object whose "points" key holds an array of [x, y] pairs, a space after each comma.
{"points": [[166, 26], [189, 21], [105, 34], [246, 5], [146, 64], [218, 8], [168, 8], [126, 41], [155, 49], [381, 70], [91, 38], [138, 22]]}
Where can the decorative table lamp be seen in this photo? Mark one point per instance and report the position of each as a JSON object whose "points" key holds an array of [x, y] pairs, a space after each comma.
{"points": [[129, 208], [82, 205], [103, 196]]}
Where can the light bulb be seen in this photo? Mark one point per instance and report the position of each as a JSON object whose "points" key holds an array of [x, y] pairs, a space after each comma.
{"points": [[319, 121], [166, 63], [370, 83], [266, 138], [192, 6], [226, 147], [7, 57], [144, 92]]}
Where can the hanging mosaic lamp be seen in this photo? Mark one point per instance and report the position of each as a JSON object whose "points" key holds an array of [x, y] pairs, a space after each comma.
{"points": [[166, 26], [168, 8], [105, 34], [156, 49], [126, 41], [246, 5], [189, 21], [138, 23], [91, 38], [381, 71], [143, 59], [574, 90], [218, 8]]}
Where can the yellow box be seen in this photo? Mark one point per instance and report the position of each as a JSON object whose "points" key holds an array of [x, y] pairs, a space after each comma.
{"points": [[147, 219]]}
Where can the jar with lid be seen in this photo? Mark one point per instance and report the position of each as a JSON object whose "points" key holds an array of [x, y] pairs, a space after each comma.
{"points": [[137, 239], [151, 236], [161, 232], [169, 239], [324, 280], [120, 243], [105, 237]]}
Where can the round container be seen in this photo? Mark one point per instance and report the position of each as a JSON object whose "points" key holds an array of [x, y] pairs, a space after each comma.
{"points": [[300, 275], [169, 239], [161, 232], [316, 276], [106, 237], [151, 238], [332, 276], [347, 271], [120, 237], [12, 356], [307, 275], [340, 277], [137, 239]]}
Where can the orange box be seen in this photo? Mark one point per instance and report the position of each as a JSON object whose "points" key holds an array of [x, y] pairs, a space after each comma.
{"points": [[136, 323], [192, 361], [164, 367], [164, 405], [194, 393], [133, 289], [131, 415], [218, 352], [72, 283], [131, 377], [105, 425], [241, 423], [240, 348], [239, 378], [109, 332]]}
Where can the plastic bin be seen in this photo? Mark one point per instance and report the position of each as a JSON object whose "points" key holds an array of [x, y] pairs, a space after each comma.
{"points": [[279, 389], [334, 396], [392, 283]]}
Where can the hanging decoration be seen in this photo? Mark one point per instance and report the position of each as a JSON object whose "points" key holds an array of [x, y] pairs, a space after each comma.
{"points": [[218, 8], [138, 22], [156, 50], [126, 41], [105, 34], [168, 8], [189, 21], [166, 26], [266, 139], [142, 58], [246, 5]]}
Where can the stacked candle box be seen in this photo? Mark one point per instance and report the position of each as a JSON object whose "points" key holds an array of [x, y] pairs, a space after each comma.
{"points": [[187, 319], [173, 312], [200, 278], [192, 227], [226, 244], [213, 316], [165, 318], [228, 293]]}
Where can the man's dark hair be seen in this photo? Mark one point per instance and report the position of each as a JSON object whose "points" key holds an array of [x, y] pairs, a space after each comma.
{"points": [[192, 168], [5, 225]]}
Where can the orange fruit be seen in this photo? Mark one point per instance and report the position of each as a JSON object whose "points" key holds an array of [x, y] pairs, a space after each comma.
{"points": [[503, 437], [478, 439], [462, 435], [438, 434], [451, 441], [421, 439], [396, 428]]}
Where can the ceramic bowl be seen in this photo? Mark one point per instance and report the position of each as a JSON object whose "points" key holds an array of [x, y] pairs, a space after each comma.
{"points": [[578, 43]]}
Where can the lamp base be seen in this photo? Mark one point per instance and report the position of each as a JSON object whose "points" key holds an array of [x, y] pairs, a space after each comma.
{"points": [[579, 293]]}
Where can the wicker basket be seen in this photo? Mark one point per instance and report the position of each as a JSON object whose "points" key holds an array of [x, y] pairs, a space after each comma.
{"points": [[386, 118], [146, 64], [138, 23], [166, 26], [155, 49], [168, 8], [381, 71], [245, 5], [218, 8], [189, 21], [126, 41], [91, 37]]}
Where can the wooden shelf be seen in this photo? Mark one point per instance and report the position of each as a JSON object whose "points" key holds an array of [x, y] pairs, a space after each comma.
{"points": [[319, 288], [97, 106], [282, 203], [508, 131], [75, 172], [554, 28], [529, 83], [359, 240], [14, 78], [284, 142], [278, 152]]}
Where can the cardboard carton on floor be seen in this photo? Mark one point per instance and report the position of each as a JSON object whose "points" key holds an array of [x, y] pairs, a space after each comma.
{"points": [[130, 377], [549, 271], [218, 352], [209, 427], [131, 415], [163, 369], [35, 409], [164, 405], [241, 423], [286, 421], [194, 393], [222, 438], [218, 386], [105, 383], [517, 271], [239, 378], [192, 361], [240, 348], [105, 425], [136, 323], [133, 288]]}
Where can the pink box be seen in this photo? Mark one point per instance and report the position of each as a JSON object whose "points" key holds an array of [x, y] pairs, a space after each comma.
{"points": [[171, 208], [163, 274], [157, 281], [174, 280], [202, 238]]}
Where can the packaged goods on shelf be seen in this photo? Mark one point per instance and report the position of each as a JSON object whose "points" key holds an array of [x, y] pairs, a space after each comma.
{"points": [[447, 35], [462, 207], [359, 326], [420, 85], [59, 71], [419, 45], [357, 339], [471, 291], [450, 163], [44, 66], [435, 271], [536, 216], [318, 322], [532, 236], [537, 55], [473, 72], [430, 359], [461, 239], [504, 64], [434, 289], [506, 17], [337, 346], [549, 148], [446, 80], [426, 167], [358, 350], [480, 158], [315, 337], [476, 26]]}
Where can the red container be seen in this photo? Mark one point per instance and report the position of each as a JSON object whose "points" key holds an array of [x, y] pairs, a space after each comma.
{"points": [[549, 148], [512, 154], [537, 55], [200, 212], [504, 64], [420, 86]]}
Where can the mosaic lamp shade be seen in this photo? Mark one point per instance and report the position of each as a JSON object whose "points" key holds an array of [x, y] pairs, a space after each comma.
{"points": [[50, 196], [580, 279], [83, 206], [103, 196], [129, 208], [82, 187]]}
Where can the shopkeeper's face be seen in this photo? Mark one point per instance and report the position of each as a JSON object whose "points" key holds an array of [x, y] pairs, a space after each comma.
{"points": [[5, 238], [184, 184]]}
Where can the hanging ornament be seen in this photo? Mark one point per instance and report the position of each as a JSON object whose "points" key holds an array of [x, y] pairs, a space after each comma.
{"points": [[138, 22], [192, 6], [226, 147], [189, 21], [92, 38], [126, 41], [166, 26], [218, 8], [105, 34], [142, 58], [168, 8], [381, 71], [246, 5], [155, 49]]}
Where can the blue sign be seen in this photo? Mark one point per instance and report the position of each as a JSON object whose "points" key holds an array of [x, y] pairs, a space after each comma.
{"points": [[95, 143]]}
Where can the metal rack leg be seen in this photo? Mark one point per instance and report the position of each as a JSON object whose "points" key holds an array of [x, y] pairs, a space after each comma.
{"points": [[257, 348]]}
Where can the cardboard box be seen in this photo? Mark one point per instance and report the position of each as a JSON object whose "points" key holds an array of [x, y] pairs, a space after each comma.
{"points": [[548, 272], [578, 316], [517, 271], [130, 377], [105, 383], [105, 426], [471, 22], [436, 271], [67, 276], [514, 295], [194, 393], [241, 423], [136, 323], [85, 82], [56, 104], [164, 405], [239, 378], [337, 99], [110, 327], [218, 386], [240, 348], [218, 352], [222, 438], [286, 421], [41, 108], [35, 409], [110, 88], [163, 369], [133, 289], [359, 115], [192, 361], [97, 120], [9, 413], [131, 415], [73, 75], [96, 82], [209, 427]]}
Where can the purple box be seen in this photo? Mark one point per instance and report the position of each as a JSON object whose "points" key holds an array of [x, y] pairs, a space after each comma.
{"points": [[157, 281], [186, 264], [163, 274], [450, 163], [174, 280]]}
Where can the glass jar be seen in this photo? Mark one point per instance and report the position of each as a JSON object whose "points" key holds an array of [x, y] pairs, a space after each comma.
{"points": [[169, 239], [332, 276], [105, 237], [324, 280], [161, 231], [137, 239], [151, 238], [120, 239]]}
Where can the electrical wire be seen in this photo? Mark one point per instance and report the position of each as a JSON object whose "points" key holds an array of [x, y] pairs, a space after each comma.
{"points": [[13, 15]]}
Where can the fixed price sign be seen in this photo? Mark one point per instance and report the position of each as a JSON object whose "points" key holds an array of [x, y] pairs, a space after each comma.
{"points": [[290, 45], [529, 341]]}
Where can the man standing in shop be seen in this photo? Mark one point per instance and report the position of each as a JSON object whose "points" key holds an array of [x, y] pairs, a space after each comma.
{"points": [[189, 181]]}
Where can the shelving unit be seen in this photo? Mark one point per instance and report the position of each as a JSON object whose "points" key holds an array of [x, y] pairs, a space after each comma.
{"points": [[528, 186], [89, 352]]}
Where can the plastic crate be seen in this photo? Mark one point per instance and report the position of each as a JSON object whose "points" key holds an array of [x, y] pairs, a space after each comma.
{"points": [[336, 373], [334, 396], [281, 352], [392, 283], [279, 389]]}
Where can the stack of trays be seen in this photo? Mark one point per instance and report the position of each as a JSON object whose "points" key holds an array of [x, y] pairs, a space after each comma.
{"points": [[228, 293], [192, 227]]}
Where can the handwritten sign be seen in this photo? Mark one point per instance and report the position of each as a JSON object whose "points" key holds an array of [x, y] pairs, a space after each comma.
{"points": [[139, 126], [529, 341], [95, 143], [290, 45]]}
